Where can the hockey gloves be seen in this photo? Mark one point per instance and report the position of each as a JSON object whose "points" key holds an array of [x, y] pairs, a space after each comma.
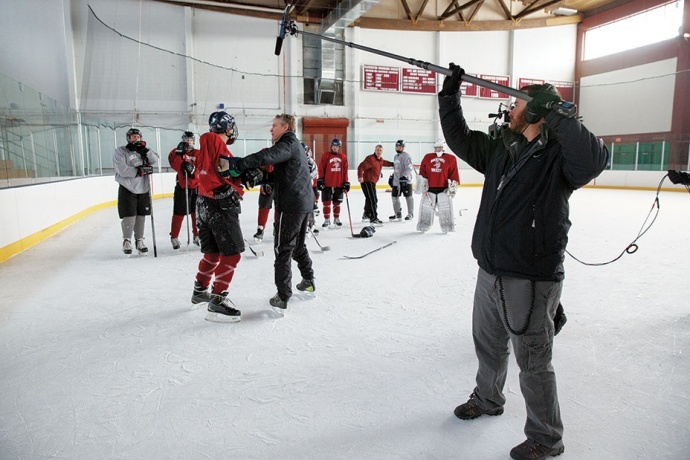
{"points": [[404, 182], [540, 106], [188, 168], [144, 170], [181, 148], [390, 180], [233, 168], [346, 186], [451, 84], [320, 184], [266, 189], [251, 177], [452, 188], [226, 197], [679, 177]]}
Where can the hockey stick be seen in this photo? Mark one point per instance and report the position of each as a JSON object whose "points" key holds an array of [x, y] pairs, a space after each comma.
{"points": [[323, 248], [370, 252], [349, 216], [256, 253], [153, 226], [186, 203]]}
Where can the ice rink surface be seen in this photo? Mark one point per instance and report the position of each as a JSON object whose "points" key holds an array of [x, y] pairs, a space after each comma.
{"points": [[102, 358]]}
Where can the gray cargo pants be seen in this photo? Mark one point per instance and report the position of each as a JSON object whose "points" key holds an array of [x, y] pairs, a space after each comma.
{"points": [[532, 350]]}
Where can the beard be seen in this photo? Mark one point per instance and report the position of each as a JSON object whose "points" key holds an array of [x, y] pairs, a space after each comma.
{"points": [[518, 123]]}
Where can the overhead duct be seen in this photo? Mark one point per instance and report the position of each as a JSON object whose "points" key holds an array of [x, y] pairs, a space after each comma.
{"points": [[325, 60]]}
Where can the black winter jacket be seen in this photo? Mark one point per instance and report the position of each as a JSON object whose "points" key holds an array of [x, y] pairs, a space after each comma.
{"points": [[522, 224], [292, 183]]}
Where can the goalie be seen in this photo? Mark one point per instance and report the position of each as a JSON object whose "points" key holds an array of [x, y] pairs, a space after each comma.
{"points": [[437, 182]]}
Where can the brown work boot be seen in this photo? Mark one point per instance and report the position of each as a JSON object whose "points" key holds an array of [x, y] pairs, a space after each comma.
{"points": [[472, 409], [532, 450]]}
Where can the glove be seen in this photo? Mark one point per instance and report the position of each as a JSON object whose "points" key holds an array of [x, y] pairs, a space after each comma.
{"points": [[404, 182], [266, 189], [251, 177], [233, 170], [390, 180], [451, 84], [452, 188], [141, 148], [131, 147], [320, 184], [144, 170], [346, 186], [540, 106], [188, 168], [181, 148], [226, 197], [559, 319]]}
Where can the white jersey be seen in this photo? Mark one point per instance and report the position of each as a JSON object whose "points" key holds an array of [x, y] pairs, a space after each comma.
{"points": [[402, 167], [126, 174]]}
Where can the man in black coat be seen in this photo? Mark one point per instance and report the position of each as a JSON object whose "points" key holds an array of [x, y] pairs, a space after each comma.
{"points": [[530, 170], [294, 201]]}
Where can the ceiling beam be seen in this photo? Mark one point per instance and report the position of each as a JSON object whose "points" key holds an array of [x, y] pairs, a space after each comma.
{"points": [[459, 26]]}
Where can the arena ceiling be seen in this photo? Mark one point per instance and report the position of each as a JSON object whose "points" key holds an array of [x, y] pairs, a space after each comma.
{"points": [[425, 15]]}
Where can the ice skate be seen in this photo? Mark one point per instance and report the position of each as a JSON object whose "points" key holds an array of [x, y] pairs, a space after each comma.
{"points": [[376, 221], [279, 305], [127, 246], [196, 240], [365, 219], [200, 295], [221, 310], [259, 235], [326, 223], [141, 247], [397, 217], [306, 285], [175, 243], [409, 216], [337, 222]]}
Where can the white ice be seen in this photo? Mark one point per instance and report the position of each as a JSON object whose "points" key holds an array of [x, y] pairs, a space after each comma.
{"points": [[101, 357]]}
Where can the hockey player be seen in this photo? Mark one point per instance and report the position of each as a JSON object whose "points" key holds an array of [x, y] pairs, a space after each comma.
{"points": [[133, 165], [437, 182], [400, 181], [333, 182], [368, 174], [218, 209], [183, 160], [314, 174], [294, 201]]}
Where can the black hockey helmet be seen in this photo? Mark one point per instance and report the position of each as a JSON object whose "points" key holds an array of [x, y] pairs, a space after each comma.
{"points": [[400, 143], [337, 143], [223, 122], [188, 135], [133, 131]]}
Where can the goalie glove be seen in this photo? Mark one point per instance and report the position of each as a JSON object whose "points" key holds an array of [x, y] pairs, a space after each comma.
{"points": [[452, 188]]}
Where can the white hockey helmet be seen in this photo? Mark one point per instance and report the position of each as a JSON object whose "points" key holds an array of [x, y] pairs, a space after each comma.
{"points": [[438, 146]]}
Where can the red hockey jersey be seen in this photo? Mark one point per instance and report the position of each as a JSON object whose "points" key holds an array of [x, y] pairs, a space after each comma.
{"points": [[176, 161], [438, 170], [212, 147], [333, 169]]}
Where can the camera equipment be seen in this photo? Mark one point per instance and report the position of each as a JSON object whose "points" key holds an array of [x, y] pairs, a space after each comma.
{"points": [[503, 113]]}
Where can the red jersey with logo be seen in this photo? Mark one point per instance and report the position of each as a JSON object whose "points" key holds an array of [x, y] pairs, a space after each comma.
{"points": [[438, 170], [333, 169], [207, 161], [176, 161]]}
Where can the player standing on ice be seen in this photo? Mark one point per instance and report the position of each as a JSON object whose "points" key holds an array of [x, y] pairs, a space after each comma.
{"points": [[132, 163], [437, 182], [368, 174], [333, 182], [218, 209], [400, 181], [530, 171], [314, 174], [294, 202], [183, 160]]}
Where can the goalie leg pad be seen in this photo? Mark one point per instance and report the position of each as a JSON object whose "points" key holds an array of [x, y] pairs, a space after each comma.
{"points": [[426, 212], [445, 213]]}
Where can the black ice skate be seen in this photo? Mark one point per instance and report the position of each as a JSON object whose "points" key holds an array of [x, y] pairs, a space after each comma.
{"points": [[409, 216], [306, 285], [376, 221], [259, 235], [326, 223], [279, 305], [200, 295], [221, 310], [397, 217], [337, 222], [175, 243]]}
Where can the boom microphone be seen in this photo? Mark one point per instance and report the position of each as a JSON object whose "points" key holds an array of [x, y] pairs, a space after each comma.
{"points": [[281, 30]]}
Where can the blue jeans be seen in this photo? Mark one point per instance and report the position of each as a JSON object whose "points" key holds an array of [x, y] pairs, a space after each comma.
{"points": [[533, 349]]}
